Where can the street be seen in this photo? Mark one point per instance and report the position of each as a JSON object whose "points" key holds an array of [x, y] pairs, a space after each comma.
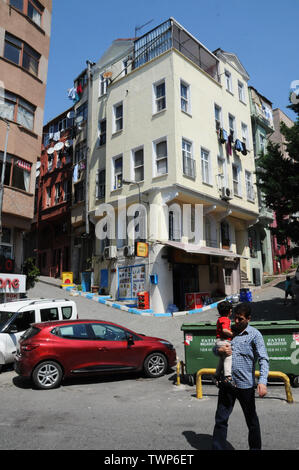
{"points": [[130, 412]]}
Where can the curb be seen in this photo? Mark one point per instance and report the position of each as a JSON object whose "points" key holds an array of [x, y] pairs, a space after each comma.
{"points": [[106, 300]]}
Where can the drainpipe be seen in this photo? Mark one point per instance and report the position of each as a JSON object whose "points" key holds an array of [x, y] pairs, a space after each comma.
{"points": [[3, 172], [89, 123]]}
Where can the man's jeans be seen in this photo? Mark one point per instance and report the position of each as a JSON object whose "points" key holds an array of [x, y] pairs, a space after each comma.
{"points": [[226, 401]]}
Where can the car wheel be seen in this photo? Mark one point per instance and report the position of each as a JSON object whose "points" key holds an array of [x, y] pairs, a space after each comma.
{"points": [[155, 365], [47, 375]]}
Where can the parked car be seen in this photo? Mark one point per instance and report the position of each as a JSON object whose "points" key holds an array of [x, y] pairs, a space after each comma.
{"points": [[16, 318], [297, 275], [48, 352]]}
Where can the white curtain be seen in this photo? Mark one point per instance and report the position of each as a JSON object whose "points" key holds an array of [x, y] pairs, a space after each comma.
{"points": [[26, 180]]}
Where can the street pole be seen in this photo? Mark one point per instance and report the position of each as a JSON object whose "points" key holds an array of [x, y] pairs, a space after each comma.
{"points": [[3, 171]]}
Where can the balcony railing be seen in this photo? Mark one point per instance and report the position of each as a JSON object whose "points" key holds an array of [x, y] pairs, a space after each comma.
{"points": [[171, 35]]}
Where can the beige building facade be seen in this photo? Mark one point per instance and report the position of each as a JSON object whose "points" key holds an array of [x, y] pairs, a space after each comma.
{"points": [[25, 27], [177, 140]]}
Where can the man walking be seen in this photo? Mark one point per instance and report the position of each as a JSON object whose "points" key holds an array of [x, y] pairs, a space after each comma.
{"points": [[247, 347]]}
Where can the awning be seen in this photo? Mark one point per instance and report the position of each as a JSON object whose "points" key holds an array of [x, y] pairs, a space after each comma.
{"points": [[201, 250]]}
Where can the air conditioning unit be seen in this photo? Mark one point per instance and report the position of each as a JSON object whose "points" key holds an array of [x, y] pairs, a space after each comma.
{"points": [[226, 193], [129, 250], [110, 252]]}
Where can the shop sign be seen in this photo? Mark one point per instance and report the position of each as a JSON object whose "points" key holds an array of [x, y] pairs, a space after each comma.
{"points": [[142, 249], [12, 283]]}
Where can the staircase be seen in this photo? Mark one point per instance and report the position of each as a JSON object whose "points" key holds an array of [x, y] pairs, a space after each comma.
{"points": [[245, 283]]}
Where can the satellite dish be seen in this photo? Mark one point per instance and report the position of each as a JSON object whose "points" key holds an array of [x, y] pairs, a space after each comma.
{"points": [[50, 151], [68, 143], [59, 146], [70, 114], [79, 119]]}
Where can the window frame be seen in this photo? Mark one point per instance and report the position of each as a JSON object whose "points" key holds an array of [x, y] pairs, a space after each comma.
{"points": [[217, 107], [237, 187], [138, 166], [115, 185], [157, 159], [241, 92], [24, 49], [186, 99], [117, 119], [232, 130], [188, 155], [205, 166], [228, 81], [18, 104], [157, 99]]}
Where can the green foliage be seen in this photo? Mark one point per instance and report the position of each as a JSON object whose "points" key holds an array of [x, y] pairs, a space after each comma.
{"points": [[31, 271], [278, 179]]}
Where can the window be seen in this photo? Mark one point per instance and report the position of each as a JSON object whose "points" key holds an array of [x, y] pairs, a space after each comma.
{"points": [[78, 331], [160, 151], [225, 239], [24, 320], [245, 138], [218, 119], [14, 108], [138, 162], [231, 125], [205, 166], [249, 186], [79, 192], [185, 97], [80, 151], [21, 54], [188, 160], [57, 193], [236, 180], [49, 314], [159, 97], [117, 172], [35, 11], [17, 4], [32, 8], [66, 312], [20, 177], [263, 142], [102, 132], [118, 117], [82, 111], [241, 92], [100, 184], [7, 168], [104, 82], [108, 332], [228, 81]]}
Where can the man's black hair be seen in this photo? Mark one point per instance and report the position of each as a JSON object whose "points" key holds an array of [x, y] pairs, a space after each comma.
{"points": [[243, 309], [224, 308]]}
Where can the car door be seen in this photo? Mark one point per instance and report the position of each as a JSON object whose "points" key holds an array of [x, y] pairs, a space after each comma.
{"points": [[113, 351], [21, 322], [74, 347]]}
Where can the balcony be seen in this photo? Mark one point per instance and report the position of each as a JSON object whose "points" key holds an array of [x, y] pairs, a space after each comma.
{"points": [[170, 35]]}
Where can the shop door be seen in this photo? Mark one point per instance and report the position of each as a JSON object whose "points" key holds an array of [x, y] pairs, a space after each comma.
{"points": [[185, 280]]}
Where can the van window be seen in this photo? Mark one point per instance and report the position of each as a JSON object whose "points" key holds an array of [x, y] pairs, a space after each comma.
{"points": [[49, 314], [66, 312], [24, 319]]}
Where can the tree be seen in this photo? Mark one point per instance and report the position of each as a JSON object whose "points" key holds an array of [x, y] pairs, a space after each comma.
{"points": [[31, 271], [278, 180]]}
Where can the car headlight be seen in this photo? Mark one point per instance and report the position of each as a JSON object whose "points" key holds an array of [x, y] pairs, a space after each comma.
{"points": [[167, 344]]}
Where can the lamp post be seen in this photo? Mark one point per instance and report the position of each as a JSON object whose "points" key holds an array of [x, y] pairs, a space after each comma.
{"points": [[3, 171], [137, 184]]}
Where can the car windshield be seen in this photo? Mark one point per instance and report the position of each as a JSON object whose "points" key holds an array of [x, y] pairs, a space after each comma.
{"points": [[4, 317]]}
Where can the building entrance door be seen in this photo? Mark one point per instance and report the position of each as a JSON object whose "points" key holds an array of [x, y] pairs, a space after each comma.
{"points": [[185, 280]]}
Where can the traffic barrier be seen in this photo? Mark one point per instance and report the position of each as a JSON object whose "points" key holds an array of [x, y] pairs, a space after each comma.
{"points": [[272, 374]]}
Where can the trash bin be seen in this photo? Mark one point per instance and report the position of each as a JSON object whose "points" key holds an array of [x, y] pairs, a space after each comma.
{"points": [[281, 340], [245, 295]]}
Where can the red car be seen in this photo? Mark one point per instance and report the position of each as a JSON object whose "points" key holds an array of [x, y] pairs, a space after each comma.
{"points": [[50, 351]]}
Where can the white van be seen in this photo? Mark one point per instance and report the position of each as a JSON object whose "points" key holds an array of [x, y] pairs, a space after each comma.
{"points": [[16, 318]]}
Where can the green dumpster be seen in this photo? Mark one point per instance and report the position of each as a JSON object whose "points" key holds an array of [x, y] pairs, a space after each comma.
{"points": [[281, 340]]}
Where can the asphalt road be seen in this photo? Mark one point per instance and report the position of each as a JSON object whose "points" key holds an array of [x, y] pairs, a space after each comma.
{"points": [[130, 412]]}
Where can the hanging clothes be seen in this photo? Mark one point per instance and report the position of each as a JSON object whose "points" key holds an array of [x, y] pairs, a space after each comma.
{"points": [[238, 145], [76, 173], [223, 136], [229, 145], [56, 136], [244, 149], [72, 93]]}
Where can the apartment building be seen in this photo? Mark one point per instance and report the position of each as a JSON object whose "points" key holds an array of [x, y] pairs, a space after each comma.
{"points": [[52, 222], [25, 27], [260, 239], [280, 261], [171, 132]]}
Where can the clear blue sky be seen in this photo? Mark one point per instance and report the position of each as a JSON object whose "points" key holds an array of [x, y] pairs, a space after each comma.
{"points": [[263, 34]]}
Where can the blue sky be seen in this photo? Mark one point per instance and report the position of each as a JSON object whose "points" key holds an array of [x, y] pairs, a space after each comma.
{"points": [[263, 34]]}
